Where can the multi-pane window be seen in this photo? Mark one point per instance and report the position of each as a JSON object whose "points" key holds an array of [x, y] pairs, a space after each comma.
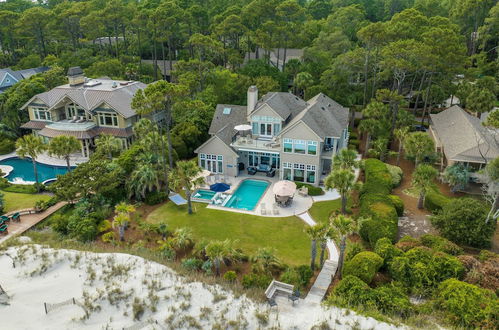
{"points": [[299, 146], [107, 119], [74, 110], [42, 114], [288, 145], [212, 163], [312, 147], [311, 172], [299, 172]]}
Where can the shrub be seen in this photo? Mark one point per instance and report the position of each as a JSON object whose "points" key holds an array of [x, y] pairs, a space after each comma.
{"points": [[364, 265], [104, 226], [352, 249], [2, 203], [7, 146], [407, 242], [467, 305], [305, 274], [312, 190], [435, 200], [398, 204], [351, 291], [377, 177], [440, 244], [254, 280], [385, 249], [192, 264], [290, 276], [230, 276], [462, 221], [155, 197], [4, 183], [421, 269], [109, 237], [396, 173], [485, 255], [392, 299], [85, 230], [60, 223], [21, 188], [354, 142]]}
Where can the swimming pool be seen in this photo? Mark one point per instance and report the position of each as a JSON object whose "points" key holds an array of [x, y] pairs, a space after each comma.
{"points": [[247, 195], [206, 195], [23, 171]]}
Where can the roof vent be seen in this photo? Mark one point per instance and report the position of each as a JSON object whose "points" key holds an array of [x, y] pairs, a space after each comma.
{"points": [[124, 83], [114, 84], [92, 83], [323, 108], [227, 111], [329, 104]]}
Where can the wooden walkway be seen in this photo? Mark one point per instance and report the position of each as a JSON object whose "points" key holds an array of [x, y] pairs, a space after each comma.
{"points": [[322, 282], [28, 221]]}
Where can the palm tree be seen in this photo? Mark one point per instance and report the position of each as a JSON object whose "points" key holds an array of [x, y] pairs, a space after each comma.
{"points": [[186, 176], [218, 251], [341, 228], [304, 80], [122, 217], [325, 233], [346, 159], [342, 180], [144, 178], [400, 134], [63, 146], [31, 146], [108, 144], [265, 259], [422, 179], [314, 232], [182, 238]]}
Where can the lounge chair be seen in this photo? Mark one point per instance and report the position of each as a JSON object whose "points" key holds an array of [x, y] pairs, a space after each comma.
{"points": [[16, 217], [272, 303], [4, 229], [263, 210], [3, 218], [275, 209]]}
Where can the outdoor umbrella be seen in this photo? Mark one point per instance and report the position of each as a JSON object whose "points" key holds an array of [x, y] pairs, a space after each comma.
{"points": [[219, 187], [242, 128], [284, 188]]}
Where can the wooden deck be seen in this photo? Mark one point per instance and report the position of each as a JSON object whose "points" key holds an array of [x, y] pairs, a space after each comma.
{"points": [[28, 220]]}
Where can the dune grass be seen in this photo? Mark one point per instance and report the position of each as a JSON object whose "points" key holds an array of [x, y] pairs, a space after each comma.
{"points": [[18, 201], [286, 235]]}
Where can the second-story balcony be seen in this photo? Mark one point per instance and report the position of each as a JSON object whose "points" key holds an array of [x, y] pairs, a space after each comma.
{"points": [[247, 142]]}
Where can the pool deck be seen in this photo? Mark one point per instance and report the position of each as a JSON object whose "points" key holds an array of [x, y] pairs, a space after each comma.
{"points": [[44, 158]]}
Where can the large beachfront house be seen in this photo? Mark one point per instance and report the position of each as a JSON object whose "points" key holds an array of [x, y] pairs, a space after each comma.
{"points": [[294, 138], [461, 138], [86, 108]]}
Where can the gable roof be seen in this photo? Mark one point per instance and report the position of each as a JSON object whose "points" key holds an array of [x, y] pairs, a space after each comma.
{"points": [[119, 98], [463, 136], [324, 116], [283, 103], [223, 125]]}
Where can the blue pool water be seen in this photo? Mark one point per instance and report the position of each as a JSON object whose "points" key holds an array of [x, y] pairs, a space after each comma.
{"points": [[204, 194], [247, 195], [23, 170]]}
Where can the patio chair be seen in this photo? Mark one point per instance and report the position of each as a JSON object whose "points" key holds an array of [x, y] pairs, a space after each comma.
{"points": [[3, 218], [275, 209], [263, 210], [4, 229], [303, 191], [295, 296], [16, 217], [272, 302]]}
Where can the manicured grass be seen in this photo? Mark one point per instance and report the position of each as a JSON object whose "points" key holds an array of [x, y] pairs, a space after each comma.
{"points": [[320, 211], [17, 201], [286, 235]]}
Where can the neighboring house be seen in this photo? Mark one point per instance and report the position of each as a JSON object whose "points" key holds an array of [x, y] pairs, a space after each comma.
{"points": [[276, 56], [461, 138], [9, 77], [86, 108], [295, 137], [163, 67]]}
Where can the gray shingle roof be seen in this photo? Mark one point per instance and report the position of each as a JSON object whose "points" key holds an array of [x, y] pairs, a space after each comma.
{"points": [[463, 137], [223, 125], [119, 98], [326, 117], [284, 104]]}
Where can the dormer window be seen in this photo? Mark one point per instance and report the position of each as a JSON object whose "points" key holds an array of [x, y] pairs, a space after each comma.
{"points": [[227, 111], [42, 114], [107, 119]]}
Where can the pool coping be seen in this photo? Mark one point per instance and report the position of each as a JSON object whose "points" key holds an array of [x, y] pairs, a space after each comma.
{"points": [[201, 200], [257, 202]]}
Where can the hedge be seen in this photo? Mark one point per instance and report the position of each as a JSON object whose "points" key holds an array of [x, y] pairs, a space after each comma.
{"points": [[364, 265], [435, 200], [396, 173], [312, 190], [376, 203], [6, 146], [441, 244], [398, 204]]}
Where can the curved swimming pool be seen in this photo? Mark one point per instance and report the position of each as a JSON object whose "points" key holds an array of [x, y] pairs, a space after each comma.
{"points": [[23, 171]]}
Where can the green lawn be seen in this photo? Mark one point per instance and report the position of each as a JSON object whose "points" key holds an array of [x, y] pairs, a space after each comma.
{"points": [[320, 211], [286, 235], [16, 201]]}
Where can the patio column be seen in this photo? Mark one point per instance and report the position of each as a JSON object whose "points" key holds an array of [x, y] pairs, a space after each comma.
{"points": [[87, 146], [82, 148], [335, 145]]}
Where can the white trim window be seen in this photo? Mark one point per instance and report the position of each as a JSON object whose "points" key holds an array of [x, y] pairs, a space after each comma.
{"points": [[212, 163], [287, 171], [299, 172], [288, 145], [73, 110], [42, 114], [300, 146], [312, 147], [311, 174], [108, 119]]}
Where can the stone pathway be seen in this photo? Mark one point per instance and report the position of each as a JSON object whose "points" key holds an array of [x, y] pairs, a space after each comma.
{"points": [[323, 280], [28, 221]]}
